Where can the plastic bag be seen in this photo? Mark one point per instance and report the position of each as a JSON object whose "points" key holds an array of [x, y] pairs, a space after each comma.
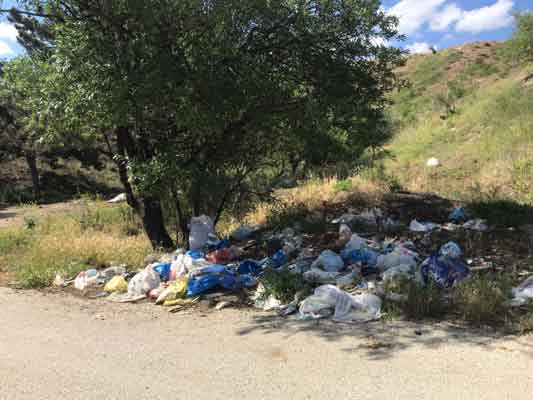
{"points": [[86, 279], [479, 225], [200, 229], [398, 272], [116, 284], [399, 256], [143, 282], [242, 233], [356, 243], [458, 215], [163, 270], [416, 226], [365, 256], [210, 277], [347, 308], [523, 293], [174, 291], [451, 250], [320, 276], [329, 261], [444, 271]]}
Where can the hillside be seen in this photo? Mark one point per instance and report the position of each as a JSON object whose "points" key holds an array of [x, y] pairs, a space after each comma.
{"points": [[470, 108]]}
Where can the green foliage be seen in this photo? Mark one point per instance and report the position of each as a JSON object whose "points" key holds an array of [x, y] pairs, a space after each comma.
{"points": [[284, 285], [483, 299], [343, 186], [12, 240], [502, 212], [520, 46], [205, 99], [418, 302], [101, 219]]}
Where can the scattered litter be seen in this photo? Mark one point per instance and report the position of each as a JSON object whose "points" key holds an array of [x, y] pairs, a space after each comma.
{"points": [[433, 162], [458, 215], [175, 290], [121, 198], [116, 284], [222, 305], [523, 293], [479, 225], [200, 229], [445, 268], [143, 282], [329, 261], [416, 226], [347, 308], [86, 279], [59, 281]]}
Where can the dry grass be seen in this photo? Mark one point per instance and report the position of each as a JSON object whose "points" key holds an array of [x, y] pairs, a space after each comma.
{"points": [[68, 244]]}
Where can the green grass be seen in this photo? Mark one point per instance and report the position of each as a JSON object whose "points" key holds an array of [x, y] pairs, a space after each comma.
{"points": [[485, 145], [483, 300]]}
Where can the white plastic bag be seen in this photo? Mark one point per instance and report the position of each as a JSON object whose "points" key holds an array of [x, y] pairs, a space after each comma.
{"points": [[523, 293], [398, 272], [86, 279], [143, 282], [200, 229], [400, 256], [416, 226], [329, 261], [361, 308]]}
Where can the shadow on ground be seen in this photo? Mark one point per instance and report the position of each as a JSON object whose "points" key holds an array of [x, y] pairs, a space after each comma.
{"points": [[385, 339]]}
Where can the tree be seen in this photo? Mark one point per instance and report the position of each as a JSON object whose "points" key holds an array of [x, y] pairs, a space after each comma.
{"points": [[199, 101], [20, 82], [521, 43]]}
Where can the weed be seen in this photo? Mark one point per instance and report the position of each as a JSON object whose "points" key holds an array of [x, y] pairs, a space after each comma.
{"points": [[482, 299], [284, 284], [420, 301], [525, 324], [343, 186]]}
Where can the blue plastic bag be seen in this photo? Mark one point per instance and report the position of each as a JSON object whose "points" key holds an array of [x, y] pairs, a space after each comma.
{"points": [[195, 254], [444, 271], [279, 259], [364, 256], [250, 267], [211, 277], [163, 270], [458, 215]]}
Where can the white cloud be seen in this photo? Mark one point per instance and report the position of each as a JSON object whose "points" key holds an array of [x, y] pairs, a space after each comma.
{"points": [[8, 31], [5, 49], [489, 18], [414, 14], [443, 15], [446, 17], [419, 48]]}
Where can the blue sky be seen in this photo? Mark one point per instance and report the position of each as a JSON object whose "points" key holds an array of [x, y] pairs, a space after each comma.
{"points": [[447, 23], [426, 23]]}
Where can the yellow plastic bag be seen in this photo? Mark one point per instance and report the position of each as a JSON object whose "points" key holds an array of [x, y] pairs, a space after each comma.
{"points": [[116, 284], [175, 290]]}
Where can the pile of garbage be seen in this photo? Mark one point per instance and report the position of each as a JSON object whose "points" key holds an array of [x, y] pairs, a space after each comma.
{"points": [[349, 283]]}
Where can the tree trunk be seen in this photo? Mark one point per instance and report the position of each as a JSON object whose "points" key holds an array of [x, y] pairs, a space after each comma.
{"points": [[150, 207], [154, 224], [31, 159], [182, 220]]}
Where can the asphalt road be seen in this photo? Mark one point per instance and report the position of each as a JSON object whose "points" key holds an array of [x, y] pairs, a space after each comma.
{"points": [[55, 346]]}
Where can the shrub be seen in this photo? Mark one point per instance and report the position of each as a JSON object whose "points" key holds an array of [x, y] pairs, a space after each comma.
{"points": [[283, 284], [482, 299]]}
